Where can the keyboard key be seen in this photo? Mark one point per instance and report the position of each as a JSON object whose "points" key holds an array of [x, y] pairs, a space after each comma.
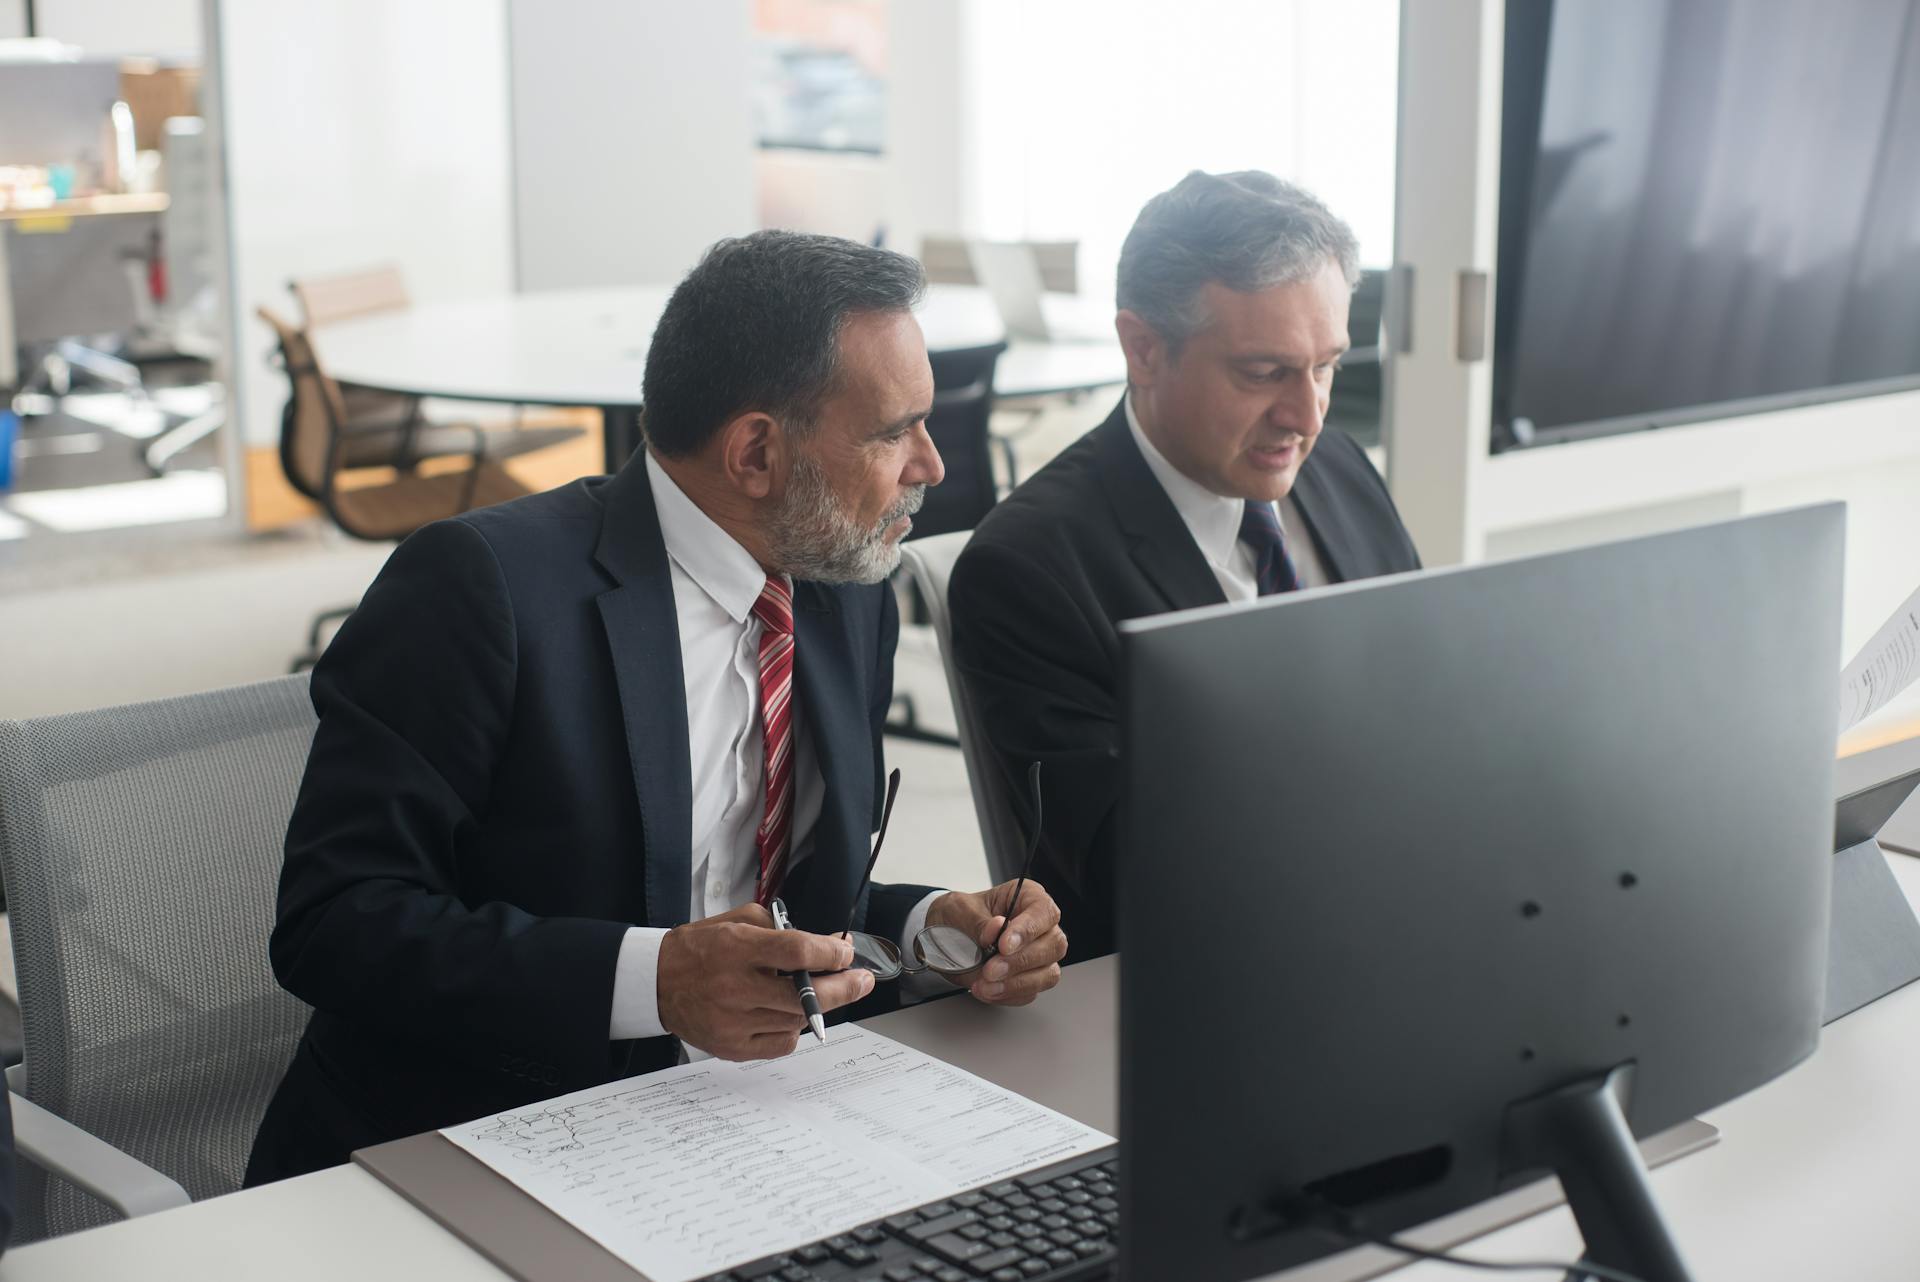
{"points": [[1033, 1266], [869, 1236], [944, 1224], [969, 1200], [1001, 1239], [1063, 1237], [950, 1274], [1001, 1190], [1105, 1204], [1005, 1275], [997, 1260], [812, 1254], [902, 1273], [956, 1248], [1054, 1221], [855, 1254], [1068, 1184], [1028, 1213], [1061, 1256], [1051, 1205], [973, 1232], [1082, 1213], [761, 1268], [934, 1210], [1025, 1231], [999, 1223], [902, 1222], [1085, 1248], [1076, 1197], [838, 1243], [1016, 1199], [795, 1273]]}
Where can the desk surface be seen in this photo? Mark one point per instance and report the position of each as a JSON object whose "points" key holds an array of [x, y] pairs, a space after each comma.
{"points": [[1811, 1178], [589, 347]]}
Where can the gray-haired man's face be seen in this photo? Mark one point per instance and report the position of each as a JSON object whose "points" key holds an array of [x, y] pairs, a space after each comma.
{"points": [[1239, 406]]}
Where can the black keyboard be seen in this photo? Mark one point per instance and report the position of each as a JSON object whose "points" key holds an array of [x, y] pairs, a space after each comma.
{"points": [[1055, 1225]]}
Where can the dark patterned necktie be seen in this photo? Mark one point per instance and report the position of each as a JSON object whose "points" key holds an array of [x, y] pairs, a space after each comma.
{"points": [[1260, 531]]}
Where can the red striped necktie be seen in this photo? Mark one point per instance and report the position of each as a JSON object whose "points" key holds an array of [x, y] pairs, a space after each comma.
{"points": [[774, 609]]}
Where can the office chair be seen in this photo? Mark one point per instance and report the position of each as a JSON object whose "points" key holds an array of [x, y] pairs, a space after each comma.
{"points": [[327, 299], [141, 847], [1355, 407], [319, 442], [948, 262], [962, 406], [930, 562]]}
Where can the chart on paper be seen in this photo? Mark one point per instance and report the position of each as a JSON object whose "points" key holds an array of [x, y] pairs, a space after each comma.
{"points": [[693, 1169]]}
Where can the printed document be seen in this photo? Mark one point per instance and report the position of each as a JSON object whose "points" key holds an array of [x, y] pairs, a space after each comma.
{"points": [[697, 1168], [1887, 665]]}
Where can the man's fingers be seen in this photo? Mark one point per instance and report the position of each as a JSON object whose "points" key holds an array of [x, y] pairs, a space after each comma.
{"points": [[1047, 950], [845, 988], [1019, 990], [775, 995], [798, 950], [772, 1045]]}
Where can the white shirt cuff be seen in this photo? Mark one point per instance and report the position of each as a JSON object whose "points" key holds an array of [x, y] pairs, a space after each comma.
{"points": [[636, 985], [917, 988]]}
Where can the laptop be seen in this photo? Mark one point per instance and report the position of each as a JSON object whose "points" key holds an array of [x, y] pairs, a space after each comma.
{"points": [[1010, 275]]}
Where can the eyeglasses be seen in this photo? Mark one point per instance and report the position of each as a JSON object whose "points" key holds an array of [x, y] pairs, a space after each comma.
{"points": [[943, 950]]}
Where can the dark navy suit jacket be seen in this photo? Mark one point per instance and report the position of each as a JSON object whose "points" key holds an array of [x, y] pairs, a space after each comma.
{"points": [[1089, 540], [499, 786]]}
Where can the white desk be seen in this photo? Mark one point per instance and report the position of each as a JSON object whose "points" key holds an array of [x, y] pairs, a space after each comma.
{"points": [[589, 347], [1810, 1181]]}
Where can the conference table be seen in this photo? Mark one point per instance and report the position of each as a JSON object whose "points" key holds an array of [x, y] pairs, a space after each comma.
{"points": [[589, 347], [1810, 1178]]}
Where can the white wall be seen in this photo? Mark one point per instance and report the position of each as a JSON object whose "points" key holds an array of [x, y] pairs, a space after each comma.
{"points": [[361, 132], [632, 137], [1059, 120], [118, 28]]}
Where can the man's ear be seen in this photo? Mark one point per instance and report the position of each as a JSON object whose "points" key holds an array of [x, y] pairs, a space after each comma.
{"points": [[1146, 351], [754, 454]]}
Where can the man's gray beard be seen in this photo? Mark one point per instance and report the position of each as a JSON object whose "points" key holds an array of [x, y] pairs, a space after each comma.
{"points": [[811, 536]]}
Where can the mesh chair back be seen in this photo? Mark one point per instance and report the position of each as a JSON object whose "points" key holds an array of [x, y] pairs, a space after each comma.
{"points": [[331, 298], [315, 409], [141, 848], [930, 562], [962, 406]]}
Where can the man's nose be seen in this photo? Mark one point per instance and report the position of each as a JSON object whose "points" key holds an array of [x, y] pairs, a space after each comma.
{"points": [[924, 466]]}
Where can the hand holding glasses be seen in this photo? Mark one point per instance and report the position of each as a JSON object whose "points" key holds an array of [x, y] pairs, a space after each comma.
{"points": [[945, 950]]}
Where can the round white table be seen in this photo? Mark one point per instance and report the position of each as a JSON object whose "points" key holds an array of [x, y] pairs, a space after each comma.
{"points": [[589, 347]]}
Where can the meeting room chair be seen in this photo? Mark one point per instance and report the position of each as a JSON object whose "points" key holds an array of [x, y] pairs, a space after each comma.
{"points": [[930, 562], [962, 407], [319, 442], [948, 262], [408, 437], [141, 848]]}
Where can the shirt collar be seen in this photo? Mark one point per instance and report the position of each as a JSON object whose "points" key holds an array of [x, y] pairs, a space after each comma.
{"points": [[1212, 519], [711, 557]]}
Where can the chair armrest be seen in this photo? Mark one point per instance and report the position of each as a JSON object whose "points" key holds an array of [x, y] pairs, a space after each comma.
{"points": [[60, 1148]]}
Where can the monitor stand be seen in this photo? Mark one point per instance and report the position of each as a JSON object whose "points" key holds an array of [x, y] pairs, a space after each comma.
{"points": [[1580, 1133], [1873, 946]]}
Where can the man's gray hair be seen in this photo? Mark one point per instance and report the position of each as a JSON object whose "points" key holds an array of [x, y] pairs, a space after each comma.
{"points": [[1248, 230]]}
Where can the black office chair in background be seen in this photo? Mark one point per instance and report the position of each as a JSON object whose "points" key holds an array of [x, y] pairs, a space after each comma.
{"points": [[962, 404]]}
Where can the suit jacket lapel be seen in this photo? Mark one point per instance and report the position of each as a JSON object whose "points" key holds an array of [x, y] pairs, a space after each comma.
{"points": [[1158, 540], [833, 707], [1322, 515], [643, 635]]}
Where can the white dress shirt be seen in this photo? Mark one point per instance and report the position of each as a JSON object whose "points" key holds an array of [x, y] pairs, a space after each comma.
{"points": [[1214, 522], [715, 585]]}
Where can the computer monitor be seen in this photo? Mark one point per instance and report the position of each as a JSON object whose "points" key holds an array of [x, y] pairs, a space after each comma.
{"points": [[1436, 883]]}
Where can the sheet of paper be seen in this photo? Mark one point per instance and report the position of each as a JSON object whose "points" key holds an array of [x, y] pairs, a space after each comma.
{"points": [[700, 1167], [1889, 664]]}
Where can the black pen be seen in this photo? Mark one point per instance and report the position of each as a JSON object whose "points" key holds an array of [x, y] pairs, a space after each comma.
{"points": [[802, 982]]}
